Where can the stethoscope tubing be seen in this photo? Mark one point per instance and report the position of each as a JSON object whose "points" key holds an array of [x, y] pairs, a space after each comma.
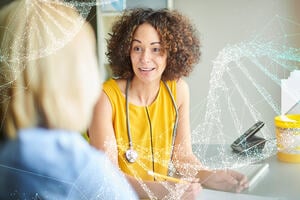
{"points": [[131, 154]]}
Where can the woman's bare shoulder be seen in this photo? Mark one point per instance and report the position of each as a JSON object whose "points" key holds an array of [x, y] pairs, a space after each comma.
{"points": [[182, 91], [182, 85]]}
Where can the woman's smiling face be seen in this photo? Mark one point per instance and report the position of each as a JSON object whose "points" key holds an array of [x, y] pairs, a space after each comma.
{"points": [[147, 56]]}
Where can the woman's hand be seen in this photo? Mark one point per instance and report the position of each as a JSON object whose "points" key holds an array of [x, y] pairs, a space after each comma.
{"points": [[193, 190], [225, 180], [188, 190]]}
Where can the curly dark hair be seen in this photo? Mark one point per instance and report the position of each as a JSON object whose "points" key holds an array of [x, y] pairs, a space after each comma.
{"points": [[178, 38]]}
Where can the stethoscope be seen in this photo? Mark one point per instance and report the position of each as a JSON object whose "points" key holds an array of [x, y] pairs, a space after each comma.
{"points": [[131, 154]]}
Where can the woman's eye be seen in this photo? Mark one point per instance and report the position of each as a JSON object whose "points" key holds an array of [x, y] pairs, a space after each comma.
{"points": [[156, 49], [138, 49]]}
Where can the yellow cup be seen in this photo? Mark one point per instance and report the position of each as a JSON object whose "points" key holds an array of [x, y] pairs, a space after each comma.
{"points": [[288, 138]]}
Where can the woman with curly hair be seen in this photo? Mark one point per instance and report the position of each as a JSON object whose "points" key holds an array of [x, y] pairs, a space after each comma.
{"points": [[146, 129]]}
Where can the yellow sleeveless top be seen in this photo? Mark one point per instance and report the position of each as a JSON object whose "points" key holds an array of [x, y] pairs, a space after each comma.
{"points": [[151, 130]]}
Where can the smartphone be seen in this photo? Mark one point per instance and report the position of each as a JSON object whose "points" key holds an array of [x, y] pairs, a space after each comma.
{"points": [[245, 142]]}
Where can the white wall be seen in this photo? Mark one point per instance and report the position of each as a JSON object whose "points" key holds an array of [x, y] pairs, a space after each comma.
{"points": [[243, 98]]}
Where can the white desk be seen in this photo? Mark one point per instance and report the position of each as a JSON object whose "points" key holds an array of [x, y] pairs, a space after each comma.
{"points": [[282, 180]]}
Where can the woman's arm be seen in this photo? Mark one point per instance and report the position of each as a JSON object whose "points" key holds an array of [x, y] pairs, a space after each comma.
{"points": [[165, 190], [187, 163], [184, 159], [101, 131]]}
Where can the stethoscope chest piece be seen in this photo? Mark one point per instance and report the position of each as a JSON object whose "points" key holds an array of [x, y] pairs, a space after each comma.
{"points": [[131, 155]]}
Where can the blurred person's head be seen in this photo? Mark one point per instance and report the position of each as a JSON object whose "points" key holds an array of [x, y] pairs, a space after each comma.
{"points": [[48, 67]]}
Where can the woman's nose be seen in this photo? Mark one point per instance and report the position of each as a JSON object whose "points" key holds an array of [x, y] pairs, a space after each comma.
{"points": [[146, 56]]}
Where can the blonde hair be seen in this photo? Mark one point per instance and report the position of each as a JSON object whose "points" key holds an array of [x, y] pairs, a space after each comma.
{"points": [[49, 75]]}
